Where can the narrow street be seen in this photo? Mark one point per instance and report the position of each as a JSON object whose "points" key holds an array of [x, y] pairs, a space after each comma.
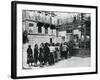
{"points": [[65, 63]]}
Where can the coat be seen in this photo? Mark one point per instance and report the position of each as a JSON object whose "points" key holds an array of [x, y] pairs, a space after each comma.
{"points": [[29, 55]]}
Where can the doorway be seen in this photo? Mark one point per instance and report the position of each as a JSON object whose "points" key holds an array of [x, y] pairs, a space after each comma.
{"points": [[50, 40]]}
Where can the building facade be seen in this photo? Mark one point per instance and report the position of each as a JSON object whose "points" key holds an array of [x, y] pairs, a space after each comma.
{"points": [[46, 26], [40, 34]]}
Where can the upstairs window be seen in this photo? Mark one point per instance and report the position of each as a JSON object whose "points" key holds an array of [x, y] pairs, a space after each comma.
{"points": [[69, 31], [31, 24]]}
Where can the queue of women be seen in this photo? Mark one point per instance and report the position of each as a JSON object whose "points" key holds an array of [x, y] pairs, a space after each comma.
{"points": [[47, 54]]}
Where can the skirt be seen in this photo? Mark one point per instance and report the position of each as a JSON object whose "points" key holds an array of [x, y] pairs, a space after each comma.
{"points": [[30, 59]]}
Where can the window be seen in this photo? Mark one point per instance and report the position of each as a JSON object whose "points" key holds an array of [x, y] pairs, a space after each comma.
{"points": [[46, 30], [69, 31], [39, 29], [63, 38], [31, 25]]}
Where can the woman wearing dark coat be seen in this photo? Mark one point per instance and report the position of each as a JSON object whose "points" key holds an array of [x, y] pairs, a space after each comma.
{"points": [[41, 54], [29, 55], [61, 52], [36, 54], [46, 53]]}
